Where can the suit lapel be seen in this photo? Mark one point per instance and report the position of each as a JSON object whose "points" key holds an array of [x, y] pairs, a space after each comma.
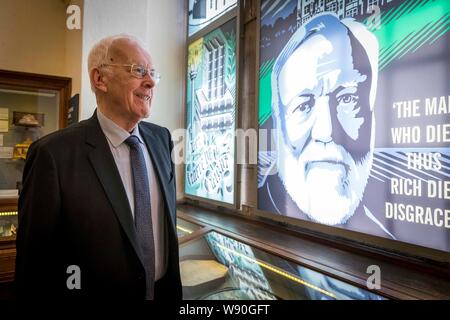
{"points": [[161, 165], [105, 167]]}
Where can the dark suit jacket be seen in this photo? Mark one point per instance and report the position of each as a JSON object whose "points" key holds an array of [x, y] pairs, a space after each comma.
{"points": [[73, 210]]}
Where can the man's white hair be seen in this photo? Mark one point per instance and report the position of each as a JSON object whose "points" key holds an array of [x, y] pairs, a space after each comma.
{"points": [[98, 54]]}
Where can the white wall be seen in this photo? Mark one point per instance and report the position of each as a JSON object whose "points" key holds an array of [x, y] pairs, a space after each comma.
{"points": [[160, 25]]}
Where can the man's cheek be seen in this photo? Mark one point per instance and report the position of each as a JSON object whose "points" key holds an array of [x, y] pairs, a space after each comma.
{"points": [[297, 135], [350, 124]]}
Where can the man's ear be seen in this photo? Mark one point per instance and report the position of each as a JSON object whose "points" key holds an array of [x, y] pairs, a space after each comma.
{"points": [[98, 80]]}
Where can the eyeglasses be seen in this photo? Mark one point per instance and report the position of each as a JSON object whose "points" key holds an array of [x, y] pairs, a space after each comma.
{"points": [[138, 70]]}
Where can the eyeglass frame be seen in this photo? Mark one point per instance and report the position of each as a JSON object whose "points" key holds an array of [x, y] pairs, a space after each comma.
{"points": [[156, 77]]}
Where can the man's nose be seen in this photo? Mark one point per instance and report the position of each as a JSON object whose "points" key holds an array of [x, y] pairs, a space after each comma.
{"points": [[322, 128], [148, 82]]}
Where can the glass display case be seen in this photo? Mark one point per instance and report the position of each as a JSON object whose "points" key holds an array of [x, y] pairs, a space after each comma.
{"points": [[8, 217], [185, 228], [217, 267], [31, 106]]}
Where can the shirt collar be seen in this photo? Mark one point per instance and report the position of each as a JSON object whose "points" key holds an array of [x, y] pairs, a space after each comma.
{"points": [[114, 133], [136, 132]]}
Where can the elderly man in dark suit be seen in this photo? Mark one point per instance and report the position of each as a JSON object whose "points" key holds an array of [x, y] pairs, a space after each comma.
{"points": [[97, 215]]}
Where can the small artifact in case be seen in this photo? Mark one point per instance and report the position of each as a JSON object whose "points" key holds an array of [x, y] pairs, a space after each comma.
{"points": [[28, 119], [21, 149]]}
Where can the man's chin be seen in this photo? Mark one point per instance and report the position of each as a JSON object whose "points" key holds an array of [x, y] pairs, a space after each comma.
{"points": [[328, 190], [327, 206], [324, 178], [144, 112], [331, 218], [324, 194]]}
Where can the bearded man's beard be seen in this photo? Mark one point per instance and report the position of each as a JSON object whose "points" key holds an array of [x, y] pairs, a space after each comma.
{"points": [[324, 180]]}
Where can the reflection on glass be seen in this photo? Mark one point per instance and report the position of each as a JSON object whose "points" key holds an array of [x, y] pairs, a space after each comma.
{"points": [[216, 267], [25, 116], [185, 228]]}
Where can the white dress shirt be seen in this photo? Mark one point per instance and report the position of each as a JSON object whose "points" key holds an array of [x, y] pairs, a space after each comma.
{"points": [[116, 137]]}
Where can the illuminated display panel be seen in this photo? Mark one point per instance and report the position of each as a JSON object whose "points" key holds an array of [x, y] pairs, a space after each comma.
{"points": [[203, 12], [210, 119], [216, 267], [354, 99]]}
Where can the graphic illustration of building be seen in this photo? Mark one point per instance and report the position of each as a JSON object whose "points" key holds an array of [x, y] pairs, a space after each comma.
{"points": [[306, 9], [214, 100], [204, 10]]}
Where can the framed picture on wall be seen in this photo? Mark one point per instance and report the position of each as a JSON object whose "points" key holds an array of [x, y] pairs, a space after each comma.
{"points": [[354, 96], [210, 115]]}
